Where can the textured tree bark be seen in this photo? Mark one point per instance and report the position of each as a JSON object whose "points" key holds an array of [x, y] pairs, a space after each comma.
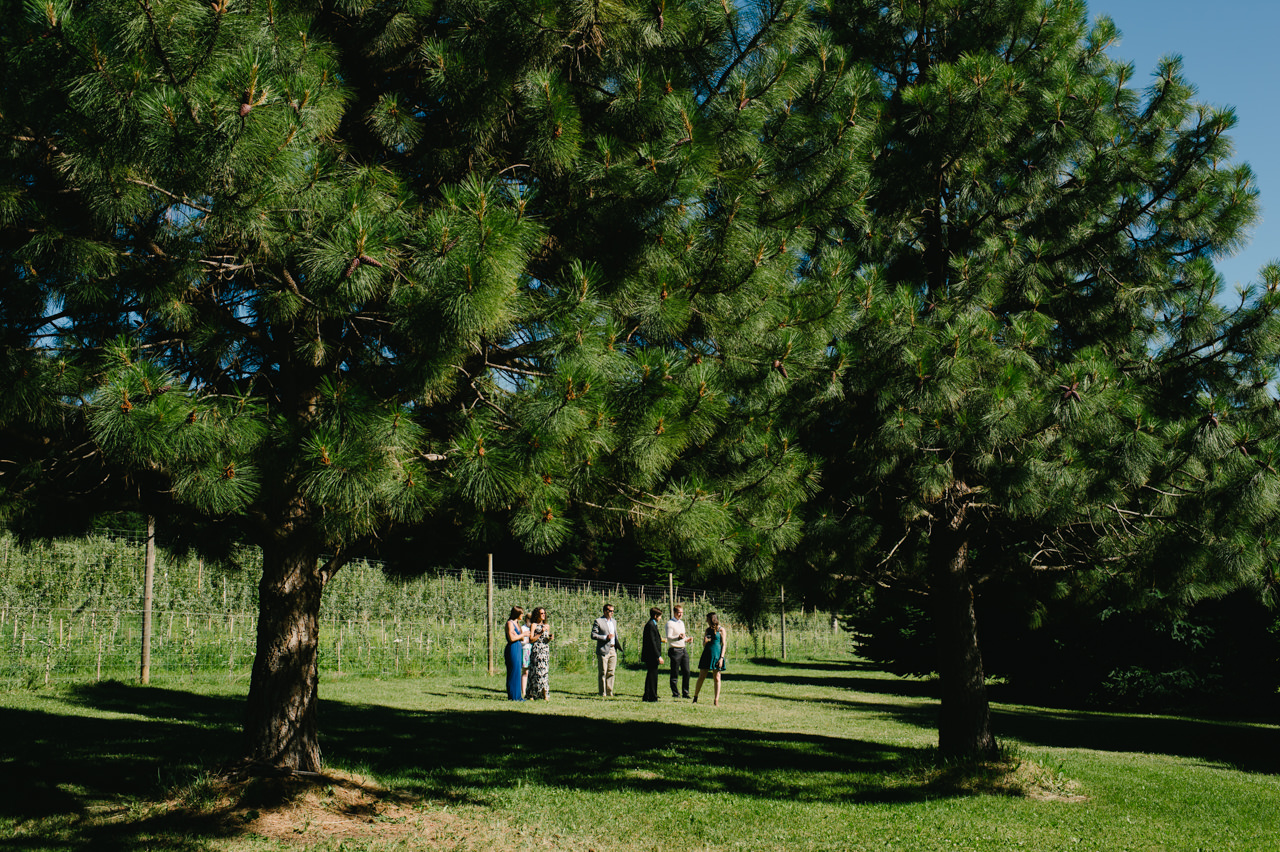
{"points": [[281, 724], [964, 723]]}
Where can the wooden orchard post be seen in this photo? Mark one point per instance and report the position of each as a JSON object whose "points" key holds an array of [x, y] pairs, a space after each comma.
{"points": [[488, 616], [148, 585], [782, 617]]}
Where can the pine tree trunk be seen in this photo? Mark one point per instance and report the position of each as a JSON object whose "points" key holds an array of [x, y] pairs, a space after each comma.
{"points": [[281, 725], [964, 723]]}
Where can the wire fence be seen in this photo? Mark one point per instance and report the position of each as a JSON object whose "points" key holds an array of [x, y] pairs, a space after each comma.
{"points": [[69, 611]]}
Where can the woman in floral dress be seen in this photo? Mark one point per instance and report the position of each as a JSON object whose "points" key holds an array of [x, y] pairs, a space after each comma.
{"points": [[540, 654]]}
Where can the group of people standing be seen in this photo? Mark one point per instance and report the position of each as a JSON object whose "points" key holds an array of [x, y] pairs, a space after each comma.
{"points": [[714, 642], [528, 653]]}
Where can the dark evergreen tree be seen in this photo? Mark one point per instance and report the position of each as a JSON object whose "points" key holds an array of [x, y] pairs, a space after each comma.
{"points": [[304, 274], [1043, 374]]}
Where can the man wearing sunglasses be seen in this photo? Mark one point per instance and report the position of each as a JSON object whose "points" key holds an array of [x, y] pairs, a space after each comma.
{"points": [[605, 632]]}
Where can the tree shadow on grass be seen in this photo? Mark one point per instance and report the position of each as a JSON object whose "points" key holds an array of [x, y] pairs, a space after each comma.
{"points": [[1246, 746], [912, 711], [460, 755], [80, 778], [853, 682], [838, 665], [1250, 747], [74, 768], [854, 675], [169, 734], [62, 768]]}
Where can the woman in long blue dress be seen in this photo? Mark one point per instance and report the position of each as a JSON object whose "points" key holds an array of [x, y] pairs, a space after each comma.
{"points": [[514, 654], [714, 642]]}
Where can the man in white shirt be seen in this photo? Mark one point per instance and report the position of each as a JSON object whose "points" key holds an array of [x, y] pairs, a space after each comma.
{"points": [[605, 631], [677, 650]]}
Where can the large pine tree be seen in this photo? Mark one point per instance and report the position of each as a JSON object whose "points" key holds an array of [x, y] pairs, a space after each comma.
{"points": [[303, 275], [1043, 373]]}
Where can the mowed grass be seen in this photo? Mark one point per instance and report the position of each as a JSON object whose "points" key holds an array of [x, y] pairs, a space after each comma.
{"points": [[811, 755]]}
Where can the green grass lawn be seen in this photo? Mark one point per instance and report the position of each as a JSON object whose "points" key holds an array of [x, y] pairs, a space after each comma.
{"points": [[806, 755]]}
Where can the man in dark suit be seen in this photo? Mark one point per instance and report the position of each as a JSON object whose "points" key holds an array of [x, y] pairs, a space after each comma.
{"points": [[651, 654]]}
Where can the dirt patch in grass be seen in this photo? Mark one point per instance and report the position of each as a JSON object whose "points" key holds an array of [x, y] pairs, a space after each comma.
{"points": [[333, 807]]}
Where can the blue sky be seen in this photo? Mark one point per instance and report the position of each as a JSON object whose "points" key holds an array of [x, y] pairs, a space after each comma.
{"points": [[1229, 53]]}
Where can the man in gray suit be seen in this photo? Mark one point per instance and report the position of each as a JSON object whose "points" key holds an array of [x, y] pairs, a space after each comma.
{"points": [[605, 632]]}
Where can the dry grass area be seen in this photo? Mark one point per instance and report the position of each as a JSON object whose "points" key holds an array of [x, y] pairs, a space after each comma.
{"points": [[332, 807], [1008, 775], [1034, 781]]}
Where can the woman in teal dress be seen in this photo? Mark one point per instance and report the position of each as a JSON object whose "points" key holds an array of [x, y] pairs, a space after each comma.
{"points": [[514, 654], [714, 642]]}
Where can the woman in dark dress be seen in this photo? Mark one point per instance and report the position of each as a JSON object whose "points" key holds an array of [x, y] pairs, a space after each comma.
{"points": [[714, 641], [514, 654], [539, 655]]}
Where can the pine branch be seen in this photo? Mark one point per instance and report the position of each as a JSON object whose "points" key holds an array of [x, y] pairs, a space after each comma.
{"points": [[743, 53], [893, 550], [164, 60], [183, 200]]}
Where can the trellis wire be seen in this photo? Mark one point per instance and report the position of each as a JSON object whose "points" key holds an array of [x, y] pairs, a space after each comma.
{"points": [[69, 611]]}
